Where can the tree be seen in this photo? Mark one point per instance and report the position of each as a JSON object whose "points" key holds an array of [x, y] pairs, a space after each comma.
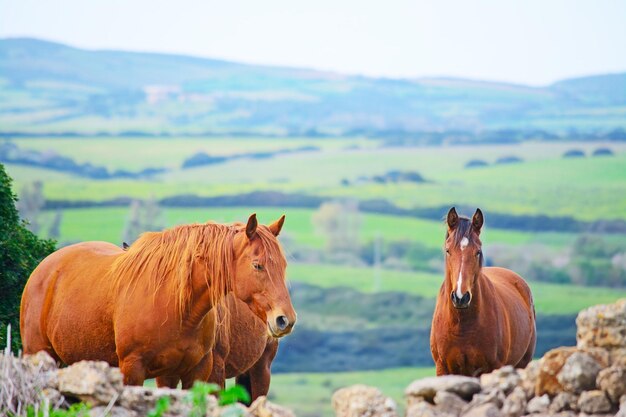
{"points": [[30, 203], [340, 223], [20, 252], [144, 216]]}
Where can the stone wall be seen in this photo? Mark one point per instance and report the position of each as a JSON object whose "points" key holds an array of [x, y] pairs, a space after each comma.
{"points": [[588, 379]]}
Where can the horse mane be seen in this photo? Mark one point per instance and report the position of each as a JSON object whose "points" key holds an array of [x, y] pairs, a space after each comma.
{"points": [[163, 261]]}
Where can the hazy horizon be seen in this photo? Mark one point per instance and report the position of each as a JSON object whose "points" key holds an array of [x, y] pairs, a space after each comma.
{"points": [[530, 43]]}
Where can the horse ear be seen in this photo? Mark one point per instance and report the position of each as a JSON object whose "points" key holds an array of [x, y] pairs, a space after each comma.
{"points": [[478, 220], [276, 227], [452, 218], [251, 226]]}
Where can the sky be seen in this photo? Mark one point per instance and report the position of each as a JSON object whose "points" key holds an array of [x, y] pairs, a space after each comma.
{"points": [[533, 42]]}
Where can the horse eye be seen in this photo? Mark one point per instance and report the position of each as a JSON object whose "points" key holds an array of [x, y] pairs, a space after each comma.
{"points": [[258, 267], [479, 253], [448, 251]]}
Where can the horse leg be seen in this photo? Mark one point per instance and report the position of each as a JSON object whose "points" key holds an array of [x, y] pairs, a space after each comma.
{"points": [[528, 356], [257, 378], [167, 381], [133, 370], [200, 372], [218, 373]]}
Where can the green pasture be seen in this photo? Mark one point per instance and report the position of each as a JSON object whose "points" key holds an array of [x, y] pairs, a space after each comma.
{"points": [[107, 224], [549, 298], [309, 394], [544, 183]]}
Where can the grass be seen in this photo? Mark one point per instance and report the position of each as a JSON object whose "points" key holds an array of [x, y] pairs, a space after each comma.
{"points": [[587, 188], [549, 298], [309, 394], [107, 224]]}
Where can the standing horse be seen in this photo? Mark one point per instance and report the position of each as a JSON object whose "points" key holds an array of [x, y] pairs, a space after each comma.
{"points": [[146, 310], [245, 352], [484, 317]]}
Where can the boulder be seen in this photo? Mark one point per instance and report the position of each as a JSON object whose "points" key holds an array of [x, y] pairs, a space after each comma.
{"points": [[515, 403], [426, 388], [362, 401], [529, 377], [95, 383], [550, 366], [579, 373], [449, 403], [613, 382], [484, 410], [602, 326], [40, 361], [564, 401], [504, 379], [261, 407], [594, 402], [143, 399], [538, 404], [618, 357], [422, 408]]}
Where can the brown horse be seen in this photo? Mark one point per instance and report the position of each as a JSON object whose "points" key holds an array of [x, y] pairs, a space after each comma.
{"points": [[245, 352], [146, 310], [484, 317]]}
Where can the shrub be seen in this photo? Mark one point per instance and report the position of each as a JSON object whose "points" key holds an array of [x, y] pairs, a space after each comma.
{"points": [[508, 160], [574, 153], [20, 252], [476, 163], [603, 152]]}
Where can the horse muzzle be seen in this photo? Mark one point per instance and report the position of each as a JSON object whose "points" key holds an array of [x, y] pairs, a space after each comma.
{"points": [[280, 326], [461, 303]]}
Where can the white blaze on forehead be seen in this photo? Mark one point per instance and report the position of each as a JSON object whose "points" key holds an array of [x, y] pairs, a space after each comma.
{"points": [[464, 243], [459, 282]]}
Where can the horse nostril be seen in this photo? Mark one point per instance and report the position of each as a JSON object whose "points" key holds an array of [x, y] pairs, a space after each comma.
{"points": [[466, 298], [282, 322]]}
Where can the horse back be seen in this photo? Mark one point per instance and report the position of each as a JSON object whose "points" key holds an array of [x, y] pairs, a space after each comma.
{"points": [[48, 320]]}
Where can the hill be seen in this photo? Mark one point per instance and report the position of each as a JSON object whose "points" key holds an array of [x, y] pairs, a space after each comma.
{"points": [[49, 88]]}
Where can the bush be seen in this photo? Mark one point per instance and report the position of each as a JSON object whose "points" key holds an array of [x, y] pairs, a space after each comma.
{"points": [[476, 163], [20, 252], [603, 152], [509, 160], [574, 153]]}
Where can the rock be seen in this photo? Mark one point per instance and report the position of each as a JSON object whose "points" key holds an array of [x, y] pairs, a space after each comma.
{"points": [[495, 397], [261, 407], [613, 382], [617, 356], [602, 326], [449, 403], [529, 377], [53, 397], [113, 412], [515, 404], [95, 383], [504, 379], [40, 361], [362, 401], [549, 368], [538, 404], [594, 402], [422, 408], [143, 399], [564, 401], [622, 407], [578, 373], [485, 410], [426, 388]]}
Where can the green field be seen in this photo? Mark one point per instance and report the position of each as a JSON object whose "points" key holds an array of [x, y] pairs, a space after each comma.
{"points": [[309, 394], [107, 224], [549, 298], [545, 183]]}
